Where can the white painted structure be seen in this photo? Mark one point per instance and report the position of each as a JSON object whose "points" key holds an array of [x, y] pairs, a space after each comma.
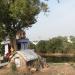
{"points": [[23, 44], [21, 58], [35, 42], [5, 43], [6, 49], [69, 39]]}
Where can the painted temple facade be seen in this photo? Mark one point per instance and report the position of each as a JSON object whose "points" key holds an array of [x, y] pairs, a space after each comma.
{"points": [[24, 58], [21, 41]]}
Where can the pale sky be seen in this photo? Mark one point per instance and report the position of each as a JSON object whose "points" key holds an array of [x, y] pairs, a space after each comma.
{"points": [[59, 22]]}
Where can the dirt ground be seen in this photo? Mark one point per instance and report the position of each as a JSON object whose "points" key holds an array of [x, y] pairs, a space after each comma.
{"points": [[54, 69], [58, 69]]}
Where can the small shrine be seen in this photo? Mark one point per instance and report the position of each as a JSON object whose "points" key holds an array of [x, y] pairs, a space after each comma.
{"points": [[21, 41], [23, 58]]}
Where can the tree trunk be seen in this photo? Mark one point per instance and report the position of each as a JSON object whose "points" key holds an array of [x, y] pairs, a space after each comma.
{"points": [[13, 44]]}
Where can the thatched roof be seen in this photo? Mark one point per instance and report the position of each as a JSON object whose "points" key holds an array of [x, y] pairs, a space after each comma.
{"points": [[28, 55]]}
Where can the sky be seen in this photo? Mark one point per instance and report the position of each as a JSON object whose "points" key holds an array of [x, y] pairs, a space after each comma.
{"points": [[60, 21]]}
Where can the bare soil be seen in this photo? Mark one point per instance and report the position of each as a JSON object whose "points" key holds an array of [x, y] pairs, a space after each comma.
{"points": [[58, 69], [54, 69]]}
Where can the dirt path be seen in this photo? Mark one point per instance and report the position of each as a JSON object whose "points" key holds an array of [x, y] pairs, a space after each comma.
{"points": [[4, 71], [58, 69], [54, 69]]}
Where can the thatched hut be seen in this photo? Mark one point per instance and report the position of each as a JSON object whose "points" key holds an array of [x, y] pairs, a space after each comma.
{"points": [[24, 59]]}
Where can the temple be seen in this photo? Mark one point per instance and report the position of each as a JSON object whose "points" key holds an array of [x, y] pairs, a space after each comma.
{"points": [[23, 57], [21, 41]]}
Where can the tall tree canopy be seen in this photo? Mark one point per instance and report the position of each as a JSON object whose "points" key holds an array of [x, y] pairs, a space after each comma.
{"points": [[16, 15]]}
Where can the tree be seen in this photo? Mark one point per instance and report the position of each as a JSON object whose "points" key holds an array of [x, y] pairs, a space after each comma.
{"points": [[41, 46], [56, 44], [32, 46], [17, 15]]}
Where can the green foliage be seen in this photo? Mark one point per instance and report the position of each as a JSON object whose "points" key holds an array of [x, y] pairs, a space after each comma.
{"points": [[18, 14], [32, 46], [41, 46], [1, 50], [60, 59], [57, 45], [1, 46], [72, 39]]}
